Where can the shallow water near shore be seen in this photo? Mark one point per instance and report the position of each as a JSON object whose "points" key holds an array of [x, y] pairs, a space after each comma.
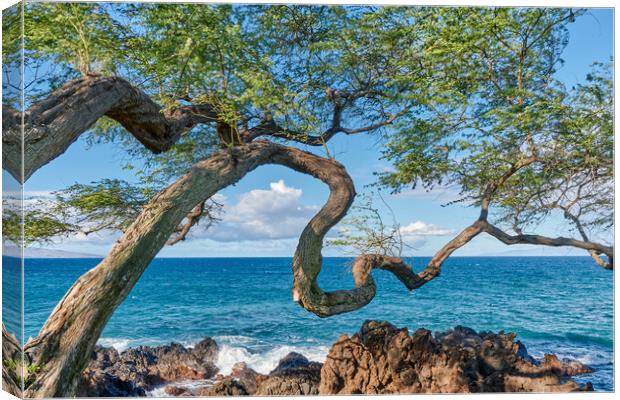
{"points": [[560, 305]]}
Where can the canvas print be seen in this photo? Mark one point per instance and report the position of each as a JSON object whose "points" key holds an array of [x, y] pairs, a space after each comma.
{"points": [[238, 199]]}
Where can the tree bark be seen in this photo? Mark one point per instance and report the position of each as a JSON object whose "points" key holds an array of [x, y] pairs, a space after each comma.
{"points": [[53, 124], [65, 342], [67, 339], [12, 364], [606, 264], [545, 241], [595, 254]]}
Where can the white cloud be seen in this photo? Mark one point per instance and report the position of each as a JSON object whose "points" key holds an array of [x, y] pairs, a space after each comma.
{"points": [[416, 234], [260, 214], [258, 218], [419, 228]]}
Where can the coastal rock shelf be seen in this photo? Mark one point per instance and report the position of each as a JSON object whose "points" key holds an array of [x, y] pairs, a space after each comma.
{"points": [[382, 359], [379, 359], [138, 370]]}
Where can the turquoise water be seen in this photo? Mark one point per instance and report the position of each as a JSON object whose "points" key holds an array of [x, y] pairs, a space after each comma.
{"points": [[562, 305]]}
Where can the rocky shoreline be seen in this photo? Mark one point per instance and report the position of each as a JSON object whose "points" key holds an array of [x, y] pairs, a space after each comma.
{"points": [[379, 359]]}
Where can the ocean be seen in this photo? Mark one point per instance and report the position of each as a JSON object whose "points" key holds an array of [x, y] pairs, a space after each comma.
{"points": [[560, 305]]}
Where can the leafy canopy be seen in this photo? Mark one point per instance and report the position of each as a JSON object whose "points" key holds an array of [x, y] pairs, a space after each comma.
{"points": [[503, 105], [474, 89]]}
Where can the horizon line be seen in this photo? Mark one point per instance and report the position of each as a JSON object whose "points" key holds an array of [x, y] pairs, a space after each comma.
{"points": [[220, 257]]}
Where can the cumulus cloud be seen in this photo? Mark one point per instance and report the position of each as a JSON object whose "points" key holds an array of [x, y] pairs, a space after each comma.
{"points": [[263, 221], [416, 233], [419, 228], [261, 214], [267, 215]]}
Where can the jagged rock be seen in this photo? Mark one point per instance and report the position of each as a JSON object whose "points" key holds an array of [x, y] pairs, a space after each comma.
{"points": [[176, 391], [291, 361], [294, 375], [227, 387], [245, 376], [382, 359], [96, 383], [104, 378], [205, 351], [175, 362], [140, 369], [574, 367]]}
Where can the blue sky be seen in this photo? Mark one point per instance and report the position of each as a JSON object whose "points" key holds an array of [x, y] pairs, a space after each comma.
{"points": [[278, 202]]}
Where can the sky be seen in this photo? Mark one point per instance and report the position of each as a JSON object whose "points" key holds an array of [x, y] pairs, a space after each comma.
{"points": [[267, 210]]}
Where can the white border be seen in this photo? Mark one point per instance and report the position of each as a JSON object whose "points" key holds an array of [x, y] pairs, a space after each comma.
{"points": [[522, 3]]}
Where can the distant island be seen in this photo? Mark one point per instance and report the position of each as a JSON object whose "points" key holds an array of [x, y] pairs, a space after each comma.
{"points": [[37, 252]]}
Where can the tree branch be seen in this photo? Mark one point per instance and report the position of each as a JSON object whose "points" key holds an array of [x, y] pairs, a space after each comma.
{"points": [[207, 208], [54, 123], [68, 337], [193, 217], [268, 127], [544, 240]]}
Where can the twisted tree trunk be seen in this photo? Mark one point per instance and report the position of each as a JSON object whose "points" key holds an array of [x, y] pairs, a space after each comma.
{"points": [[12, 365], [53, 124], [68, 337], [66, 340]]}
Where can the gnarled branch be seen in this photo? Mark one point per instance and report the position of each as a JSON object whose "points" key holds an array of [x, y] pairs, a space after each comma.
{"points": [[54, 123], [193, 217], [205, 209], [268, 127], [51, 125], [67, 338]]}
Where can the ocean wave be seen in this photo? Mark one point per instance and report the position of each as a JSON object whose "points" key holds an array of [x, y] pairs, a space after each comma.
{"points": [[527, 335], [234, 339], [264, 362], [192, 386], [592, 355], [118, 343]]}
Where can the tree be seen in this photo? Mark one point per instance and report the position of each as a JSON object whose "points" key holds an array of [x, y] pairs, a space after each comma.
{"points": [[515, 141], [212, 93], [205, 71]]}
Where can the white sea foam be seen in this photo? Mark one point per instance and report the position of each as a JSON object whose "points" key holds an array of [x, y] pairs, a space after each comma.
{"points": [[119, 344], [235, 340], [595, 357], [589, 356], [193, 386], [264, 362]]}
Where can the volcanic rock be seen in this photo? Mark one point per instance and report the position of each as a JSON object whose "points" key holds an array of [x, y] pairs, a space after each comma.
{"points": [[382, 359], [140, 369], [293, 376]]}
